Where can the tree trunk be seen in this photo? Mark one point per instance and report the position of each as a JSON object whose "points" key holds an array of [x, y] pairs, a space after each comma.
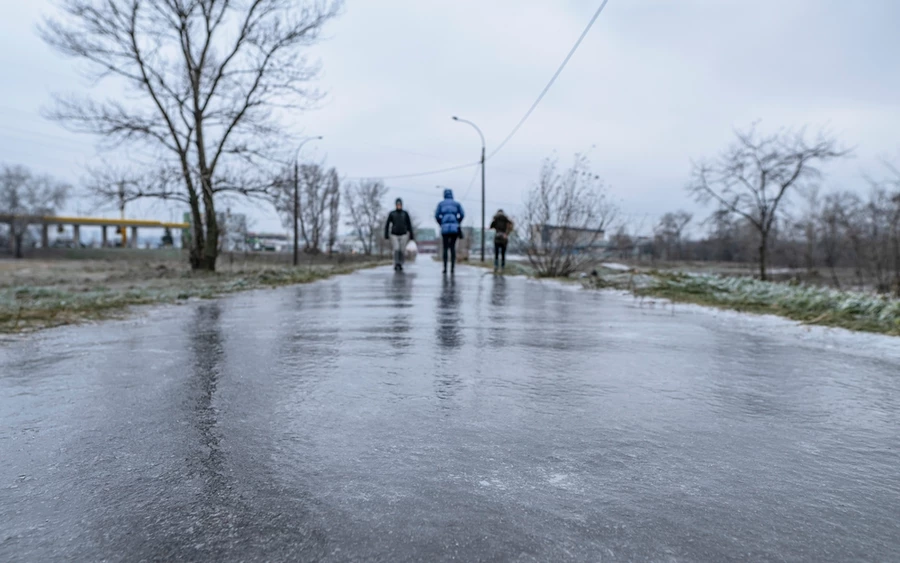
{"points": [[896, 245], [211, 248], [197, 236], [211, 244], [834, 278], [763, 248], [810, 251], [18, 243]]}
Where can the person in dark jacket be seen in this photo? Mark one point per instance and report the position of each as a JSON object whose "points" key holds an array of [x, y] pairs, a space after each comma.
{"points": [[399, 230], [449, 215], [503, 227]]}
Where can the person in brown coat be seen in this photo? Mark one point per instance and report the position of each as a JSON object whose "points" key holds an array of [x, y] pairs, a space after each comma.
{"points": [[503, 227]]}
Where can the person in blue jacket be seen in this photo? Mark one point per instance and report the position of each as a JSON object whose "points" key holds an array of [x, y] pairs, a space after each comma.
{"points": [[449, 215]]}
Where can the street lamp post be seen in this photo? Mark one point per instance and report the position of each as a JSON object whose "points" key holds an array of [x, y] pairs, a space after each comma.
{"points": [[480, 134], [297, 195]]}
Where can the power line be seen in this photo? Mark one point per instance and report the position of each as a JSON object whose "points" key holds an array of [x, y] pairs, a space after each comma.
{"points": [[416, 174], [420, 195], [521, 122], [471, 184], [62, 142], [552, 80], [515, 129]]}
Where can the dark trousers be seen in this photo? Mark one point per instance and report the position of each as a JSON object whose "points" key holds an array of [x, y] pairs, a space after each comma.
{"points": [[500, 254], [450, 246]]}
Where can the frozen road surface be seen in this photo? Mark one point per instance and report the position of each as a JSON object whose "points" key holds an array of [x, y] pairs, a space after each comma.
{"points": [[403, 417]]}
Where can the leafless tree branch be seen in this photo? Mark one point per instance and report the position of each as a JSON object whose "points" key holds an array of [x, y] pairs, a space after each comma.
{"points": [[566, 215], [205, 77], [752, 178]]}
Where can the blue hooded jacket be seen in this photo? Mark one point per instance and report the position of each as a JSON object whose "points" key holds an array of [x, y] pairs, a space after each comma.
{"points": [[449, 214]]}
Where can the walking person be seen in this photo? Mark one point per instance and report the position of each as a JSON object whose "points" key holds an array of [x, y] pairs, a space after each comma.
{"points": [[449, 215], [399, 230], [503, 227]]}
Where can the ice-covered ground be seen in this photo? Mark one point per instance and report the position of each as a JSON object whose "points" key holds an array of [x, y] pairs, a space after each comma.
{"points": [[863, 344], [827, 338], [617, 267]]}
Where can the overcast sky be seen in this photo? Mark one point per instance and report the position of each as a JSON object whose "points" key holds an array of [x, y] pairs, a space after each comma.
{"points": [[655, 84]]}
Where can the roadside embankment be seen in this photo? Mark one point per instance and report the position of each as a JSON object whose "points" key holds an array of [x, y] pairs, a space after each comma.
{"points": [[38, 294], [807, 304]]}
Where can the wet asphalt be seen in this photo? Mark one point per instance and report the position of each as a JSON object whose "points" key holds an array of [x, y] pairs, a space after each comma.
{"points": [[410, 417]]}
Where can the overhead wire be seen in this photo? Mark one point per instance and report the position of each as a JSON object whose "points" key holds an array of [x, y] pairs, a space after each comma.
{"points": [[514, 130], [471, 184], [552, 80], [521, 122], [416, 174]]}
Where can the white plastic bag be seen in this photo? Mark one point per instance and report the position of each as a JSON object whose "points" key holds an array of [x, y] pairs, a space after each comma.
{"points": [[412, 250]]}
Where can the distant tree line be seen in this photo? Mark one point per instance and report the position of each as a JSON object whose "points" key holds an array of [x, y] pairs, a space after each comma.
{"points": [[830, 235], [22, 194], [324, 203], [770, 209]]}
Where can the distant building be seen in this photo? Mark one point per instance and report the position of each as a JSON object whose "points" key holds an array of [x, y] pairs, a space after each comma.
{"points": [[427, 241], [268, 242], [636, 248], [232, 231], [476, 238], [349, 244], [579, 239], [426, 234]]}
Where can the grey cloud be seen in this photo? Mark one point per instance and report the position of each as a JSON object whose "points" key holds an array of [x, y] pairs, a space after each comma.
{"points": [[656, 83]]}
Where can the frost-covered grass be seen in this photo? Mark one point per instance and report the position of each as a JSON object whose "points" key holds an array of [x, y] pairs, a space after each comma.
{"points": [[60, 294], [812, 305]]}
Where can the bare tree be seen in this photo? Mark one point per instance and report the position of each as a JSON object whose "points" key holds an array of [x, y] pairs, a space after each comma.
{"points": [[117, 186], [628, 240], [315, 205], [831, 234], [752, 178], [850, 211], [724, 233], [878, 222], [205, 79], [621, 242], [845, 229], [670, 232], [808, 226], [333, 192], [566, 215], [313, 202], [891, 189], [864, 233], [24, 197], [365, 205]]}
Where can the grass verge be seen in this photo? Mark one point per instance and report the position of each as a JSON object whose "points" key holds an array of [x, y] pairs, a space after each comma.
{"points": [[39, 299], [809, 305]]}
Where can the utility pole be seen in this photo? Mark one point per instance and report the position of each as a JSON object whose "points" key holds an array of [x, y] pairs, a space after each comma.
{"points": [[122, 228], [480, 134], [297, 196], [296, 210], [482, 203]]}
